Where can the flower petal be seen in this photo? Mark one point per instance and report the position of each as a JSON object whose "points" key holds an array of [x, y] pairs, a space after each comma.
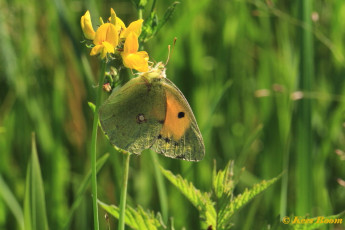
{"points": [[143, 54], [112, 35], [138, 61], [108, 48], [133, 27], [96, 50], [106, 32], [131, 43], [112, 17], [86, 26], [120, 26]]}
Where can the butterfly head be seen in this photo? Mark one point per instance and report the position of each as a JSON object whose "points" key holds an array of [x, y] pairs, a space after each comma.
{"points": [[156, 71]]}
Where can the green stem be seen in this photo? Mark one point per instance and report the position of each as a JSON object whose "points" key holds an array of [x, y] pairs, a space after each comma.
{"points": [[163, 200], [304, 190], [153, 6], [285, 181], [93, 148], [140, 13], [124, 192]]}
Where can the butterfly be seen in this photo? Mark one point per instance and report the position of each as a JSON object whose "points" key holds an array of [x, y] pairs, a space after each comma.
{"points": [[150, 112]]}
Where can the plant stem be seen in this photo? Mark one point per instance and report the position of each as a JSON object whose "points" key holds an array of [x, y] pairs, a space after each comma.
{"points": [[124, 192], [140, 13], [162, 193], [93, 148], [304, 143]]}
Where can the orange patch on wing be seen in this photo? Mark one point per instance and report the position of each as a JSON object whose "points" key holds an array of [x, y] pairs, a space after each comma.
{"points": [[175, 127]]}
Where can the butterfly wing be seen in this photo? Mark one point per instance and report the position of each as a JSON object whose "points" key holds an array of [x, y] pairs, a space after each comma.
{"points": [[133, 115], [180, 136]]}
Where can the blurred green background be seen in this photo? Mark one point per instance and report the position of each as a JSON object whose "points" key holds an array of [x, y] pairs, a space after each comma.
{"points": [[239, 63]]}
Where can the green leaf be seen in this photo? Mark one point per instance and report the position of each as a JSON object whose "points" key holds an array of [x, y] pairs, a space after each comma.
{"points": [[167, 15], [92, 106], [222, 181], [12, 203], [201, 201], [218, 213], [215, 105], [82, 189], [223, 186], [136, 218], [152, 25], [239, 201], [149, 28], [35, 215]]}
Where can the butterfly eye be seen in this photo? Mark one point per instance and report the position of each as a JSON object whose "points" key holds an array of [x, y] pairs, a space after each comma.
{"points": [[180, 114], [140, 118]]}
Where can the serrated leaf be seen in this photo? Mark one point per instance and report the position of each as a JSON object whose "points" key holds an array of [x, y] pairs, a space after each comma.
{"points": [[239, 201], [201, 201], [222, 181], [35, 215], [136, 218]]}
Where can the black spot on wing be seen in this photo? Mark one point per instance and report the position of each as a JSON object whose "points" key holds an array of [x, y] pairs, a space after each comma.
{"points": [[180, 115]]}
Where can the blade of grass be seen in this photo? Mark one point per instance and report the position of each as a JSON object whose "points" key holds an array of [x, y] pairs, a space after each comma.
{"points": [[82, 189], [35, 215], [12, 203], [304, 144], [162, 193], [124, 191], [206, 126]]}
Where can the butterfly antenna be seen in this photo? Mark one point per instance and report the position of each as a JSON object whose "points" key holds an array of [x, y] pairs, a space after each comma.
{"points": [[172, 50]]}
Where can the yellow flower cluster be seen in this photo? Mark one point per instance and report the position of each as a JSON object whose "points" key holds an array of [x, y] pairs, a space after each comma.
{"points": [[110, 36]]}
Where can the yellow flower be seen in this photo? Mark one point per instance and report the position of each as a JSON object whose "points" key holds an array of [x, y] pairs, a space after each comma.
{"points": [[120, 26], [106, 40], [116, 21], [131, 57], [133, 27], [106, 37], [112, 17], [86, 26]]}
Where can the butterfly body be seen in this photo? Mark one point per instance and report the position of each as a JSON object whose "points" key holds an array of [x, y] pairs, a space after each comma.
{"points": [[149, 111]]}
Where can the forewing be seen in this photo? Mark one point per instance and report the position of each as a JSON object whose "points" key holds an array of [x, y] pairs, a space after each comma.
{"points": [[133, 115]]}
